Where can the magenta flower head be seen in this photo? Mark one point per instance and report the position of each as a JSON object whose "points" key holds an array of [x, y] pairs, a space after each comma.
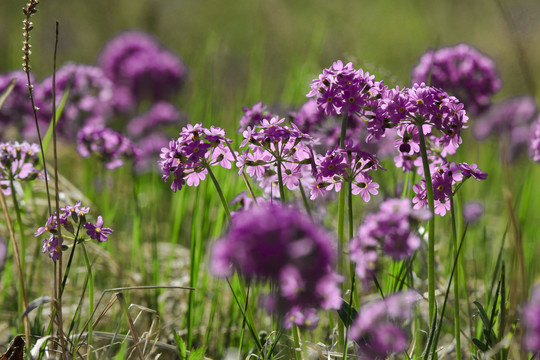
{"points": [[141, 68], [97, 231], [463, 71], [377, 328], [534, 141], [392, 229], [18, 163], [110, 146], [254, 116], [530, 318], [88, 101], [282, 245]]}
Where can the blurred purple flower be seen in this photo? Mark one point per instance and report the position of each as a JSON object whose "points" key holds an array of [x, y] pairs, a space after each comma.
{"points": [[18, 163], [277, 243], [141, 68], [377, 327], [160, 114], [473, 211], [110, 146], [530, 317], [462, 71], [534, 141]]}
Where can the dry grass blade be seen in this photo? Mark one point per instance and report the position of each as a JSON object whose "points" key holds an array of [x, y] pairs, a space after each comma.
{"points": [[6, 92], [125, 309]]}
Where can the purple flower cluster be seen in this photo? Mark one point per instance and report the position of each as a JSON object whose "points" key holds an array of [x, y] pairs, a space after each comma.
{"points": [[110, 146], [343, 165], [444, 177], [254, 116], [341, 89], [391, 229], [530, 317], [463, 71], [89, 93], [140, 68], [534, 141], [188, 157], [18, 163], [377, 330], [17, 109], [70, 214], [282, 245], [272, 143], [510, 121]]}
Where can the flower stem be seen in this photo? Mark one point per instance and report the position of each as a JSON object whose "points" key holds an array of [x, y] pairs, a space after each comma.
{"points": [[457, 326], [90, 300], [220, 193], [431, 226], [341, 204], [297, 346], [280, 181], [304, 199]]}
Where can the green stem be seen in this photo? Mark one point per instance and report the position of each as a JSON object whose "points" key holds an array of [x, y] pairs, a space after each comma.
{"points": [[341, 227], [280, 182], [297, 346], [220, 192], [457, 326], [23, 247], [90, 300], [304, 199], [431, 226]]}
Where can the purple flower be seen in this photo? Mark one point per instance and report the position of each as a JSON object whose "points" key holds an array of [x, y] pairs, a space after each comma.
{"points": [[88, 101], [53, 247], [142, 68], [377, 330], [18, 163], [463, 71], [473, 211], [97, 231], [254, 116], [277, 243], [530, 317], [534, 141], [110, 146], [160, 114]]}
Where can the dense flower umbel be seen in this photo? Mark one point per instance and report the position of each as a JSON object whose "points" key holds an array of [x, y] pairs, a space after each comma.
{"points": [[188, 157], [69, 215], [509, 121], [140, 68], [534, 141], [254, 116], [89, 95], [280, 244], [530, 317], [18, 163], [445, 178], [392, 229], [463, 71], [341, 89], [377, 327], [271, 143], [341, 165], [111, 147]]}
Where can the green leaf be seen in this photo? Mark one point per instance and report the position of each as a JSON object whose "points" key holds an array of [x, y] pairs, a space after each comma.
{"points": [[181, 346], [483, 314], [347, 313], [480, 345], [197, 354]]}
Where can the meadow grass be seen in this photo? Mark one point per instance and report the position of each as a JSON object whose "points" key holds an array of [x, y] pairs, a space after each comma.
{"points": [[164, 239]]}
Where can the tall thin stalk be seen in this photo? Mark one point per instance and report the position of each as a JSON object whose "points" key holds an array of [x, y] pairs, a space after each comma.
{"points": [[90, 300], [457, 327], [431, 225]]}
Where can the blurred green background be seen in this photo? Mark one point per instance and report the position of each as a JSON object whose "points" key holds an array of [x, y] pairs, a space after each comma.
{"points": [[243, 51]]}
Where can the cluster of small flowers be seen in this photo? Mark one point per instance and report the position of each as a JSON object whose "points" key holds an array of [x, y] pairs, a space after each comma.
{"points": [[391, 229], [53, 245], [18, 163], [510, 121], [343, 165], [341, 89], [89, 93], [254, 116], [376, 328], [280, 244], [188, 157], [141, 69], [530, 316], [463, 71], [271, 143], [443, 178], [111, 147], [134, 67]]}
